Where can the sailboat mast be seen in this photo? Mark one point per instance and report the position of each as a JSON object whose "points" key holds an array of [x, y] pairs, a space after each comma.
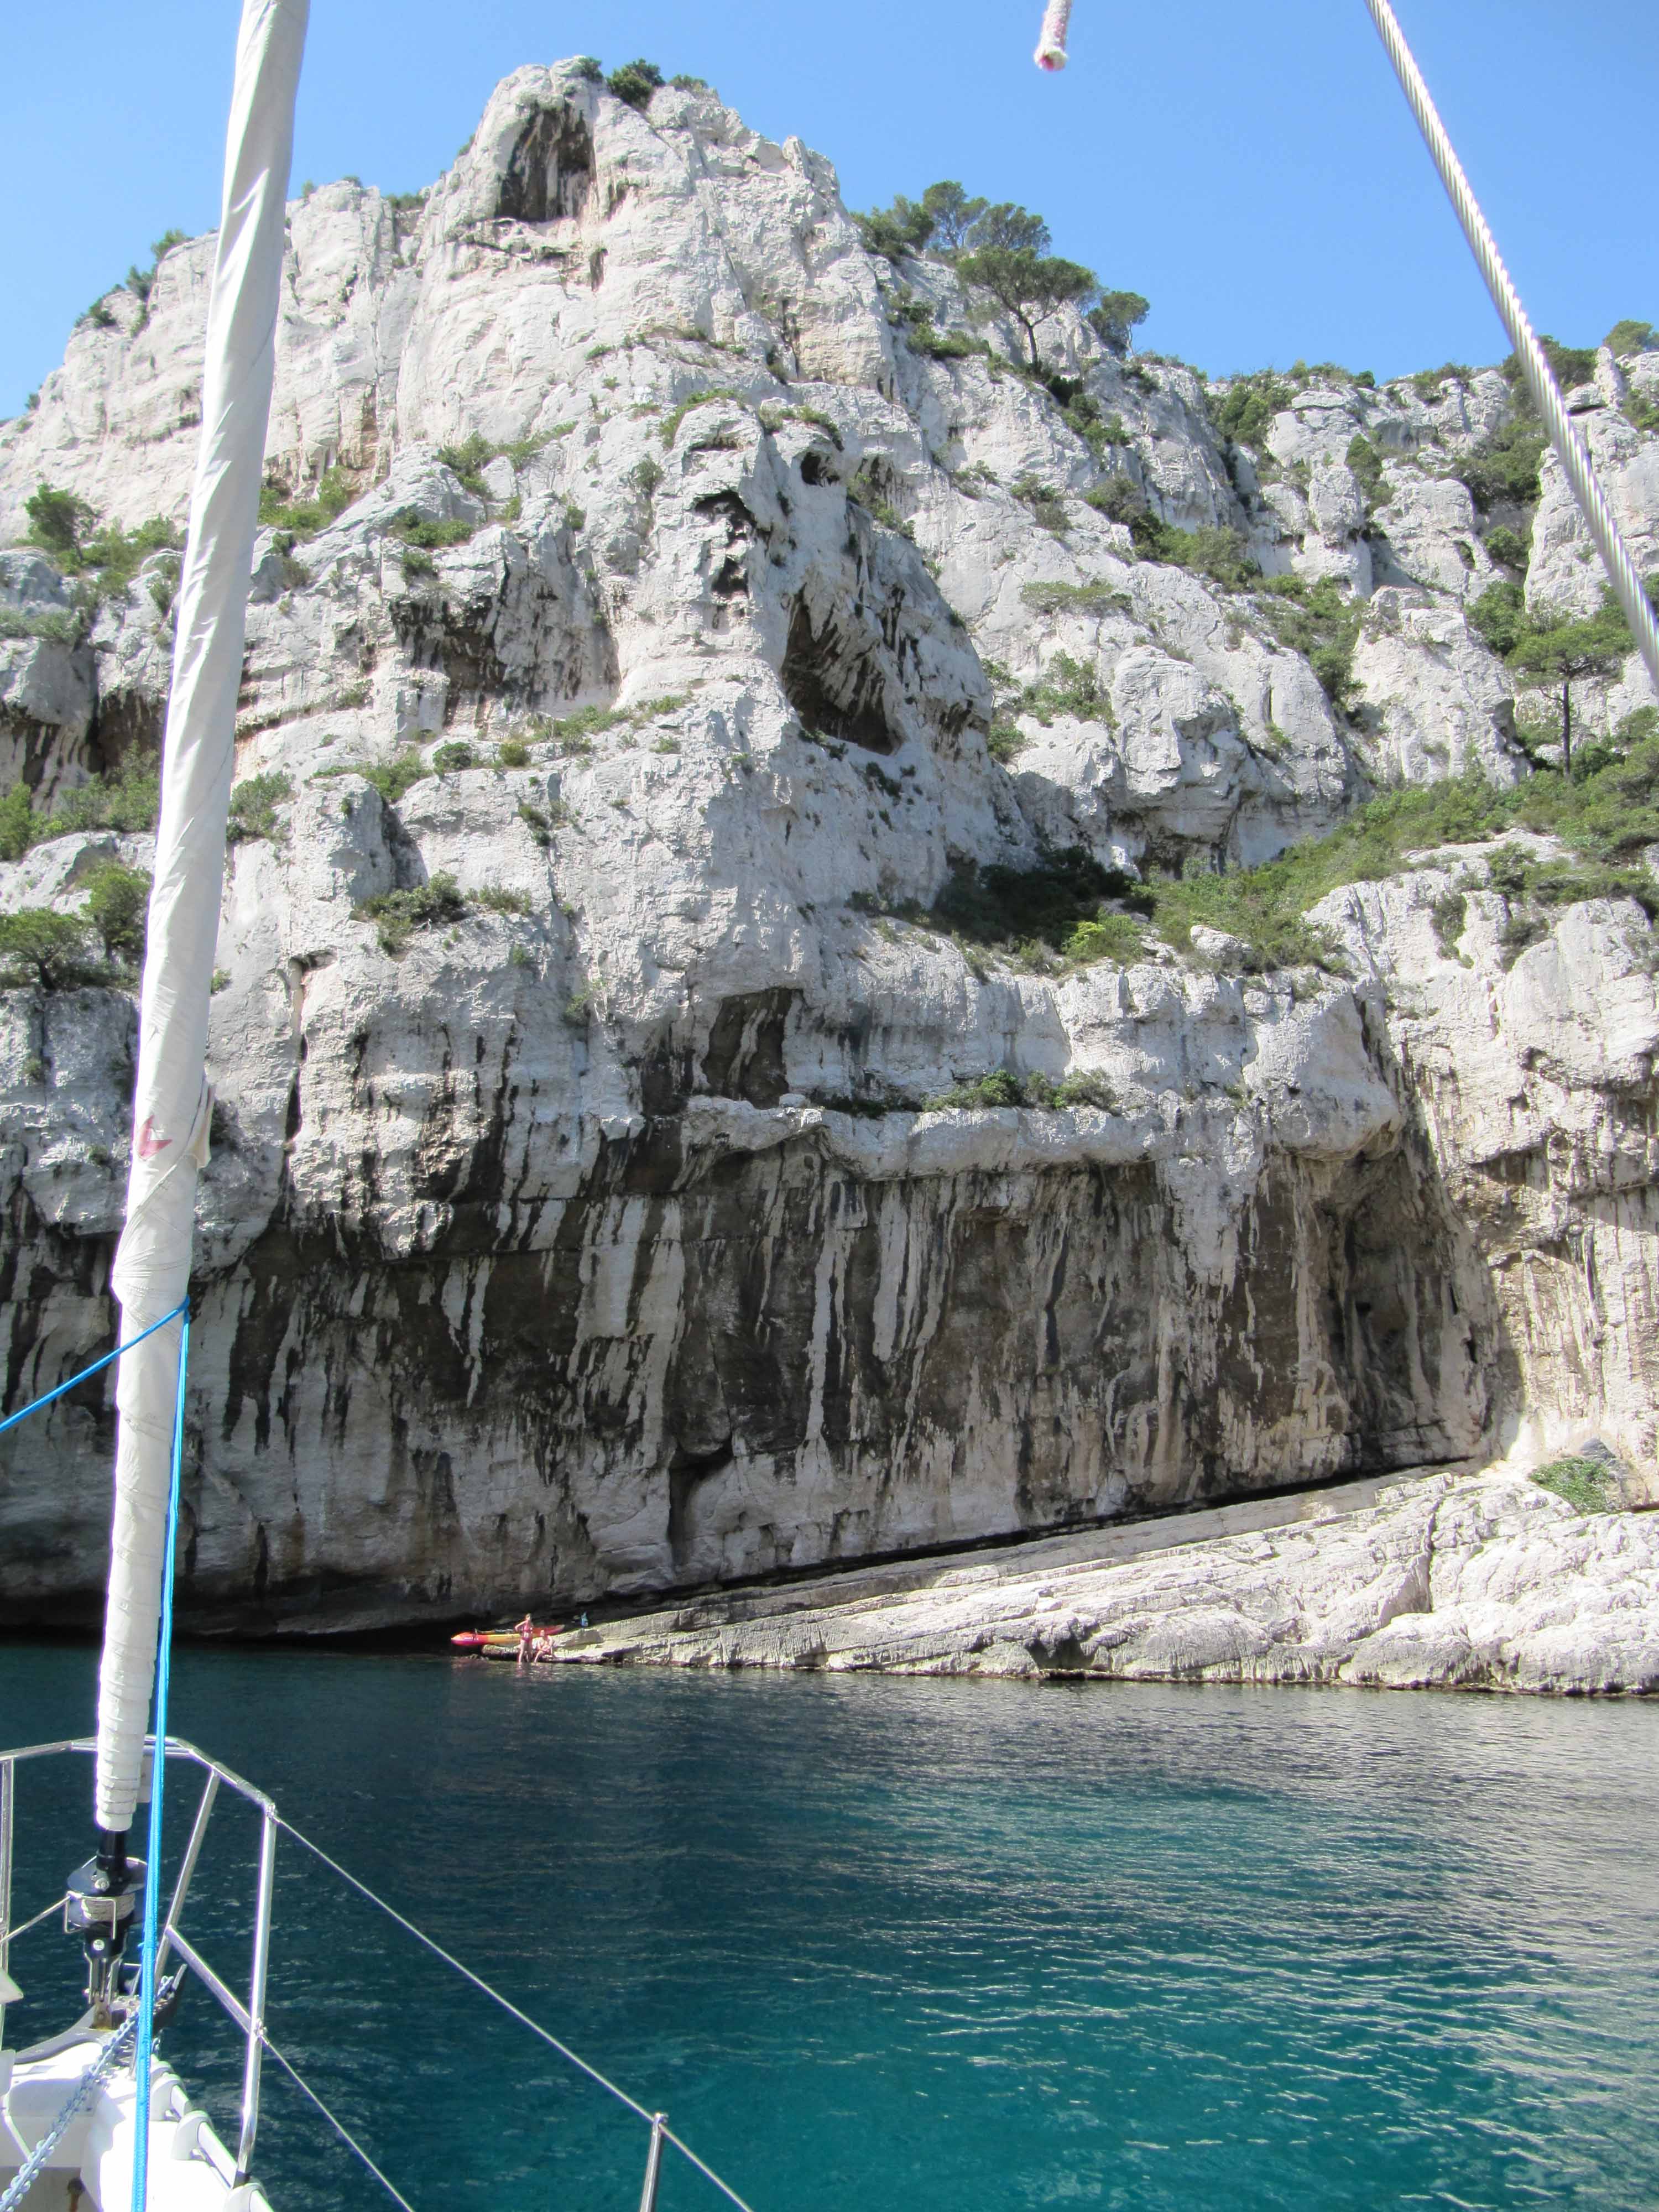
{"points": [[172, 1101]]}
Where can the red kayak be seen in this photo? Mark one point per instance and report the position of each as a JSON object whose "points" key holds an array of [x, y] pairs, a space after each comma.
{"points": [[484, 1639]]}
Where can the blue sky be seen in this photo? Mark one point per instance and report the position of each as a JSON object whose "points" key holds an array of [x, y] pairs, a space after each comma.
{"points": [[1252, 169]]}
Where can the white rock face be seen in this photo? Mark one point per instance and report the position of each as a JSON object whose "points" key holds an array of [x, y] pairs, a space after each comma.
{"points": [[1445, 1582], [1437, 702], [589, 1227]]}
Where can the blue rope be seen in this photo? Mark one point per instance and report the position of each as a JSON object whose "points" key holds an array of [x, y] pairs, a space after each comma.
{"points": [[141, 2065], [12, 1420]]}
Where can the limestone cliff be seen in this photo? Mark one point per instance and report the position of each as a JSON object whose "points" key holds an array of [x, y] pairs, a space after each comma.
{"points": [[676, 603]]}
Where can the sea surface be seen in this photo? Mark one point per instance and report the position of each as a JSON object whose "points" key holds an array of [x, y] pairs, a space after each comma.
{"points": [[940, 1946]]}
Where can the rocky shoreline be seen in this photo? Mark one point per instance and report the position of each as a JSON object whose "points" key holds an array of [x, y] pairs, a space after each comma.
{"points": [[1441, 1580]]}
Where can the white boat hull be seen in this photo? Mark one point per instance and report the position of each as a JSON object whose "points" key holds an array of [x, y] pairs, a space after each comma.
{"points": [[190, 2168]]}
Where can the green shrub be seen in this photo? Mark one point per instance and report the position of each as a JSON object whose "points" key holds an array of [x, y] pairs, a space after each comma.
{"points": [[1504, 466], [1005, 742], [1572, 365], [1606, 822], [449, 759], [17, 823], [670, 426], [1047, 506], [37, 946], [1318, 621], [392, 779], [1115, 937], [127, 801], [1220, 554], [306, 517], [1067, 687], [295, 574], [896, 232], [1002, 1087], [1251, 905], [253, 806], [1095, 599], [1632, 336], [64, 625], [465, 460], [1449, 914], [398, 915], [1104, 434], [999, 1089], [1589, 760], [864, 487], [512, 752], [574, 733], [1585, 1484], [141, 282], [1367, 465], [1508, 547], [635, 82], [1002, 907], [1499, 615], [1430, 384], [494, 900], [1245, 413], [428, 535], [586, 65], [775, 417], [117, 906], [64, 526], [1086, 1087], [1119, 498], [946, 345]]}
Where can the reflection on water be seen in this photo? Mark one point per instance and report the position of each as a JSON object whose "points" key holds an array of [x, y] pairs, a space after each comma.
{"points": [[951, 1946]]}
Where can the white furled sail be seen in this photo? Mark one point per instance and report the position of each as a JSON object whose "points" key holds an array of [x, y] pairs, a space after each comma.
{"points": [[172, 1101], [1051, 40]]}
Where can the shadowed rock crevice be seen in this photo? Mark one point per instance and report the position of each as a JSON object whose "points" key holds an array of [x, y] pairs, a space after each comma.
{"points": [[745, 1056], [551, 171], [834, 683]]}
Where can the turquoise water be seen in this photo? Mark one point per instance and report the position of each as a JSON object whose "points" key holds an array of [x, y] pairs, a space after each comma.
{"points": [[939, 1946]]}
